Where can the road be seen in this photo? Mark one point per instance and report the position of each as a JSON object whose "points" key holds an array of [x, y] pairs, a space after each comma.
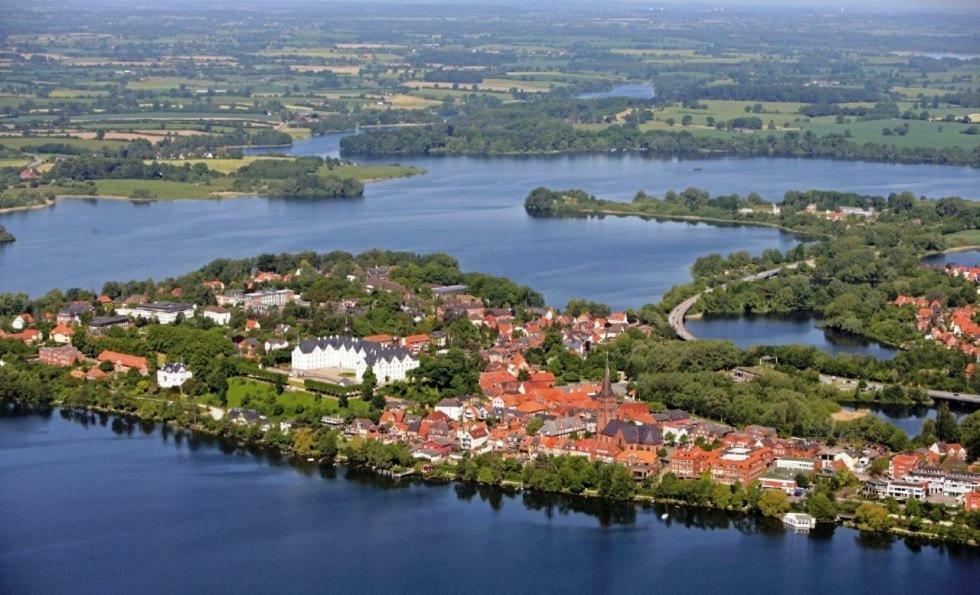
{"points": [[676, 320], [676, 317], [850, 384]]}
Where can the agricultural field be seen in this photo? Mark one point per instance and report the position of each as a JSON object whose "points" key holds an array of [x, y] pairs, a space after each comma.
{"points": [[161, 189]]}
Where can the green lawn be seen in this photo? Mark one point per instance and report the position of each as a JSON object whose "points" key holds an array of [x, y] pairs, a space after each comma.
{"points": [[969, 237], [162, 189], [255, 394], [366, 173]]}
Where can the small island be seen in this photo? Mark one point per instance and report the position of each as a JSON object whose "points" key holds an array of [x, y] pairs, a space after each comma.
{"points": [[6, 236]]}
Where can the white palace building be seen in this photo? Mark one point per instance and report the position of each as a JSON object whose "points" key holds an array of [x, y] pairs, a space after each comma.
{"points": [[347, 353]]}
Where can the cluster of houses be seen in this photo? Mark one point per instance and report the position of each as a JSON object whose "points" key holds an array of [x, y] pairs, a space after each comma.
{"points": [[520, 411], [841, 213], [954, 328], [963, 271], [937, 472], [58, 349]]}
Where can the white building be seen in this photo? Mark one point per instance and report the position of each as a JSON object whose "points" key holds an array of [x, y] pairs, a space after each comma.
{"points": [[258, 301], [217, 315], [276, 344], [451, 407], [894, 488], [171, 375], [160, 312], [21, 321], [941, 482], [389, 363], [796, 464], [474, 437]]}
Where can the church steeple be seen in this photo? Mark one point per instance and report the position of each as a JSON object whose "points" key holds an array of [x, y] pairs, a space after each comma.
{"points": [[607, 391], [607, 404]]}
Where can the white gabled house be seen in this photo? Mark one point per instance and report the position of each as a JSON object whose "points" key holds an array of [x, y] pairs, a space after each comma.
{"points": [[276, 344], [173, 375]]}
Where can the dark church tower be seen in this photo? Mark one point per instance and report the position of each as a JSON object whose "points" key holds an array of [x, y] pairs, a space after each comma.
{"points": [[607, 403]]}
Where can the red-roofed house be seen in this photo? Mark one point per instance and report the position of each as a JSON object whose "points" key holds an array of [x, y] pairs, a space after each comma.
{"points": [[62, 334], [415, 343], [901, 464], [123, 362]]}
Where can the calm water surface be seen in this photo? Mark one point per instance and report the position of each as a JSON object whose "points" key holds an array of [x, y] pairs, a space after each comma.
{"points": [[118, 508], [634, 91], [968, 258], [746, 331], [469, 207], [911, 419]]}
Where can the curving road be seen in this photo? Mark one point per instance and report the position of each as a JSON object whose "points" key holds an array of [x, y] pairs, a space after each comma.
{"points": [[676, 320], [676, 317]]}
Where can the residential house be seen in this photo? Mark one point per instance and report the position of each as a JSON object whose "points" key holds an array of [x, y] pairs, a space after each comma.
{"points": [[22, 321], [123, 362], [474, 437], [72, 313], [100, 325], [451, 408], [62, 334], [275, 345], [173, 375]]}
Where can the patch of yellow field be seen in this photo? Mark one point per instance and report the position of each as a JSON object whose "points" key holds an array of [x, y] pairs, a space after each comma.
{"points": [[224, 166], [408, 102], [843, 415]]}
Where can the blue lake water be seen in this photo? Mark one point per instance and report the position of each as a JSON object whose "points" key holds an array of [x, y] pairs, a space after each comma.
{"points": [[117, 507], [911, 419], [466, 206], [746, 331], [968, 258], [633, 91]]}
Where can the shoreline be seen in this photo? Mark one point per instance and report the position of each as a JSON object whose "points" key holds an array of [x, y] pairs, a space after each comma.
{"points": [[638, 499], [680, 155], [218, 195], [693, 218]]}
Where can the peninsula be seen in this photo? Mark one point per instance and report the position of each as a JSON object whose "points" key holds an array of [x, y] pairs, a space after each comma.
{"points": [[406, 366]]}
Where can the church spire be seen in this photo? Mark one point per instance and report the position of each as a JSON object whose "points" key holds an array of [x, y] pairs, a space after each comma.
{"points": [[606, 392]]}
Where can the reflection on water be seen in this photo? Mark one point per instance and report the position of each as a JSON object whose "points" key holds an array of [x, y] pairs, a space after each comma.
{"points": [[969, 258], [754, 329], [910, 419], [102, 501]]}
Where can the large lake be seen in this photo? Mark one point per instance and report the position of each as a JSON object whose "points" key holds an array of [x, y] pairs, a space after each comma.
{"points": [[468, 207], [118, 508]]}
